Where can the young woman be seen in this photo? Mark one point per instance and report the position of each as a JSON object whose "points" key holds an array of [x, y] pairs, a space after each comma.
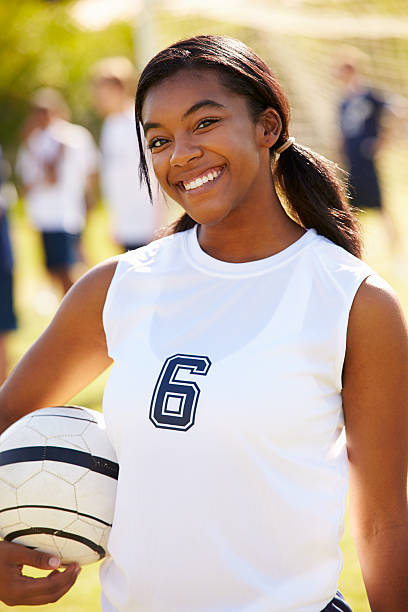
{"points": [[242, 343]]}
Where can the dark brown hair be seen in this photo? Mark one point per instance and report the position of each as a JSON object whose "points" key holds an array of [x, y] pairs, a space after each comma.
{"points": [[308, 182]]}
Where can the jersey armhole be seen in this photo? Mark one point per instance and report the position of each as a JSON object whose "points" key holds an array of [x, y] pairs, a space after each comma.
{"points": [[343, 326], [107, 320]]}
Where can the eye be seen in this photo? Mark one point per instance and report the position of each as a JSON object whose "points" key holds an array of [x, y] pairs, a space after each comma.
{"points": [[156, 143], [206, 122]]}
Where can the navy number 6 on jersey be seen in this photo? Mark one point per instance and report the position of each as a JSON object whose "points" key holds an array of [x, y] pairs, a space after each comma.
{"points": [[174, 400]]}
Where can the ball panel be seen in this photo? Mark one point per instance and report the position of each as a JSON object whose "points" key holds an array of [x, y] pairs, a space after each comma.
{"points": [[9, 518], [48, 489], [96, 438], [19, 473], [97, 492], [69, 442], [55, 426], [7, 490], [90, 530], [51, 517], [22, 436], [71, 474]]}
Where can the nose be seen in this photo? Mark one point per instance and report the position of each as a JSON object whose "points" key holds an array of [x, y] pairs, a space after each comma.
{"points": [[184, 151]]}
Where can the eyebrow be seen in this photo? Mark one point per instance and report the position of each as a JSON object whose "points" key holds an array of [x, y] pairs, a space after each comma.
{"points": [[194, 108]]}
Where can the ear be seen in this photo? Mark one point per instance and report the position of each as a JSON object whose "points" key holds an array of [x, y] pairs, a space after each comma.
{"points": [[269, 127]]}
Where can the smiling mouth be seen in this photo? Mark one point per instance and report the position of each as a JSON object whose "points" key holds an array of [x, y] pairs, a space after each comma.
{"points": [[201, 180]]}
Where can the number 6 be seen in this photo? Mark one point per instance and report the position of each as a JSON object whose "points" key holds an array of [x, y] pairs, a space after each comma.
{"points": [[174, 401]]}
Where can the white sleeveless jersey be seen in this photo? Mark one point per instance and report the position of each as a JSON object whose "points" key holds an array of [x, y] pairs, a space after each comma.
{"points": [[224, 406]]}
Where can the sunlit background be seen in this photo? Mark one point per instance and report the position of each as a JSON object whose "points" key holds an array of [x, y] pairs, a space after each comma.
{"points": [[56, 43]]}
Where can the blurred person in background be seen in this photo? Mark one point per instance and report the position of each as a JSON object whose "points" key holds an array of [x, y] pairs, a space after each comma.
{"points": [[362, 118], [7, 315], [134, 219], [57, 164]]}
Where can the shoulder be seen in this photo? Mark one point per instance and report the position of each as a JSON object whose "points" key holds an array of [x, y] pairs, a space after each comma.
{"points": [[329, 251], [375, 302], [87, 296], [104, 270], [343, 271], [158, 252], [377, 323], [99, 276], [144, 267]]}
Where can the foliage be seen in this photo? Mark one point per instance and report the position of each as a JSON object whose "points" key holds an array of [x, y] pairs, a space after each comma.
{"points": [[41, 45]]}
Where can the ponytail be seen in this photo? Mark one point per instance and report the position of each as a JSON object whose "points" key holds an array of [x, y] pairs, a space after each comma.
{"points": [[183, 223], [316, 197]]}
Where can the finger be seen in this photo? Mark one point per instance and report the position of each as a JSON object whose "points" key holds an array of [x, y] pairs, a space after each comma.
{"points": [[31, 591], [21, 555], [46, 590]]}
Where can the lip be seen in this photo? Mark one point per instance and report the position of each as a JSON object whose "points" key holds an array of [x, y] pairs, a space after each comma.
{"points": [[191, 177]]}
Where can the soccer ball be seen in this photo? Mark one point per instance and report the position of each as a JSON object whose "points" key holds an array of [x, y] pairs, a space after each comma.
{"points": [[58, 477]]}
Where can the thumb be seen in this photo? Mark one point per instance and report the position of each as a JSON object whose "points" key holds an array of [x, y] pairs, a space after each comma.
{"points": [[21, 555]]}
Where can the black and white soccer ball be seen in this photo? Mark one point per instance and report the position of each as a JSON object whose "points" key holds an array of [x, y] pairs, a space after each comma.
{"points": [[58, 477]]}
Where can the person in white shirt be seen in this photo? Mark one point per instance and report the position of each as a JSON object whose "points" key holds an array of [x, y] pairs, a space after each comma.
{"points": [[133, 217], [57, 165], [258, 366]]}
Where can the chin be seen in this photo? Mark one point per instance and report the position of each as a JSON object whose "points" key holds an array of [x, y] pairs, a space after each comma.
{"points": [[209, 218]]}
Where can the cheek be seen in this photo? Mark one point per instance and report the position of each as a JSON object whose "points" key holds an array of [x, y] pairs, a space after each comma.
{"points": [[242, 146], [160, 165], [245, 160]]}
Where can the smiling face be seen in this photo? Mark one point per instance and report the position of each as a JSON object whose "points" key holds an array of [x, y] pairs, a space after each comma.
{"points": [[207, 152]]}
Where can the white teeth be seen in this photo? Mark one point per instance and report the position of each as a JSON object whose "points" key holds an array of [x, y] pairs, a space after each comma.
{"points": [[201, 180]]}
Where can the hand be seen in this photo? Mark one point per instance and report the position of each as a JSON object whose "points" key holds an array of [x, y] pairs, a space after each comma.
{"points": [[17, 589]]}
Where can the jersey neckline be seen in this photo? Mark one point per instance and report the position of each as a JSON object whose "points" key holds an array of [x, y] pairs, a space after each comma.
{"points": [[216, 267]]}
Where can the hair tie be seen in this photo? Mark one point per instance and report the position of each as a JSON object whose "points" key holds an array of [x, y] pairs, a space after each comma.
{"points": [[288, 143]]}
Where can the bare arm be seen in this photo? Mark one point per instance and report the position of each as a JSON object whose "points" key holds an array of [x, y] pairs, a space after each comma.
{"points": [[68, 355], [375, 399]]}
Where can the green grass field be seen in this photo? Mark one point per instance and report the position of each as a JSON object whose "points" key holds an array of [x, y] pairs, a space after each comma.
{"points": [[36, 304]]}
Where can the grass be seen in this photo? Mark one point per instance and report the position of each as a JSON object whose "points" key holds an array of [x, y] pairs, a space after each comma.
{"points": [[35, 305]]}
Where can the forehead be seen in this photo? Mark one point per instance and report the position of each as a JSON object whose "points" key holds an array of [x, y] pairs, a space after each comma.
{"points": [[177, 93]]}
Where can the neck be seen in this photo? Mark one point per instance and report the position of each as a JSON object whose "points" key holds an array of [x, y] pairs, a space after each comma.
{"points": [[265, 231]]}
